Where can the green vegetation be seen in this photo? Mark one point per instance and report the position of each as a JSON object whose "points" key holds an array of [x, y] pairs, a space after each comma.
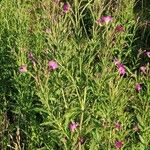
{"points": [[74, 75]]}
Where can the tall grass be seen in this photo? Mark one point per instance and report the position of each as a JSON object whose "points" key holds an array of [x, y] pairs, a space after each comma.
{"points": [[85, 103]]}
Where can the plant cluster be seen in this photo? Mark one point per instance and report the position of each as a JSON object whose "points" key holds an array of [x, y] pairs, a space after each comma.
{"points": [[74, 75]]}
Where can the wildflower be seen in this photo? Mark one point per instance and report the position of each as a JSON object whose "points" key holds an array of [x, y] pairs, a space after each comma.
{"points": [[23, 68], [121, 69], [120, 66], [118, 144], [52, 65], [66, 7], [143, 69], [148, 53], [73, 126], [119, 28], [104, 19], [138, 87], [117, 125]]}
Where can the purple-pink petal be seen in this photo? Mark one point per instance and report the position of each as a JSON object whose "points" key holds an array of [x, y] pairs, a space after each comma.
{"points": [[143, 69], [148, 53], [117, 125], [118, 144], [104, 19], [23, 68], [73, 126], [119, 28], [66, 7], [121, 69], [138, 87], [120, 66], [52, 65]]}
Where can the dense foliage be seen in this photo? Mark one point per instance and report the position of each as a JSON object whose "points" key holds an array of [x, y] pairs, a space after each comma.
{"points": [[74, 75]]}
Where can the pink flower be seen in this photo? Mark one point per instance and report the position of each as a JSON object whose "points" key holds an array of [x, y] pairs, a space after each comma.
{"points": [[73, 126], [120, 66], [143, 69], [118, 144], [23, 68], [66, 7], [52, 65], [119, 28], [104, 19], [121, 69], [148, 53], [117, 125], [138, 87]]}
